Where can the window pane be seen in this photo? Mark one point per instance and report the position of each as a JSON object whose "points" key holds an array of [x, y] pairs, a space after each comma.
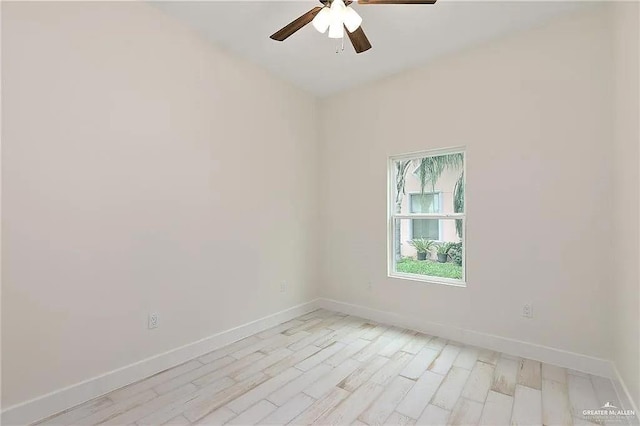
{"points": [[426, 228], [429, 184], [417, 253], [425, 203]]}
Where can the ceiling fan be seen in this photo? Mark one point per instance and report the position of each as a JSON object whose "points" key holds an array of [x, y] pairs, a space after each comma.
{"points": [[338, 17]]}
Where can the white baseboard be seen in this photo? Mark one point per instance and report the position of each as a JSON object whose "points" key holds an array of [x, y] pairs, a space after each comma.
{"points": [[46, 405], [559, 357]]}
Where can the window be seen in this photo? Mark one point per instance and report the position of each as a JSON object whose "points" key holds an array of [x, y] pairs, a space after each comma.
{"points": [[427, 217], [425, 203]]}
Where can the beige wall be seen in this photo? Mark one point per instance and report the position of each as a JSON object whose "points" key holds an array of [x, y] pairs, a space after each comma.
{"points": [[533, 110], [624, 328], [143, 170], [121, 130]]}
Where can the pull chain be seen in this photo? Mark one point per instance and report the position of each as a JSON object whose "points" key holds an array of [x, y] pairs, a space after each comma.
{"points": [[340, 48]]}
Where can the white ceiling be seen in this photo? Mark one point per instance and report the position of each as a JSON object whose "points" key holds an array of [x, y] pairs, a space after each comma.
{"points": [[402, 36]]}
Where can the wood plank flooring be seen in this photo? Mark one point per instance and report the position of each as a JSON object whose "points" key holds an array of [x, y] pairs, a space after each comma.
{"points": [[329, 368]]}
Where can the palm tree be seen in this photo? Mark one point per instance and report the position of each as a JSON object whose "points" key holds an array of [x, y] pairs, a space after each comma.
{"points": [[401, 173], [429, 171], [458, 202], [431, 168]]}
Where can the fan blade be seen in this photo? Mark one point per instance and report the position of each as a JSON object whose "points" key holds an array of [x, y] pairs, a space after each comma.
{"points": [[359, 40], [294, 26], [396, 1]]}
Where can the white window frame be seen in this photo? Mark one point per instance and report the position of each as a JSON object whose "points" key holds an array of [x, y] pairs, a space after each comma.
{"points": [[392, 216]]}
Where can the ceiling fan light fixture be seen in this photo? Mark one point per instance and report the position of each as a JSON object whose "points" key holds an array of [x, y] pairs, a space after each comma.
{"points": [[351, 19], [322, 20]]}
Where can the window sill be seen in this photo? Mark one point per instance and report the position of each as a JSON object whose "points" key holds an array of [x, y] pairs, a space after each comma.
{"points": [[428, 279]]}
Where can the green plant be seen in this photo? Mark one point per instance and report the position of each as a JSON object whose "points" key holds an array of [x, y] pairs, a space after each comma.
{"points": [[422, 245], [444, 248], [429, 268], [455, 253]]}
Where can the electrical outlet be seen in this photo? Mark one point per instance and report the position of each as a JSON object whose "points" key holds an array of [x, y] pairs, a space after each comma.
{"points": [[527, 310], [369, 286], [153, 320], [283, 286]]}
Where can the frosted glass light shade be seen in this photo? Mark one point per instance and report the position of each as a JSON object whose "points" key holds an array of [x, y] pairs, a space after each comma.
{"points": [[337, 7], [337, 19], [351, 19], [322, 20], [336, 30]]}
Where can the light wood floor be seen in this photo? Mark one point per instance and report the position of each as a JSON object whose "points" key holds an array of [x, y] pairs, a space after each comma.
{"points": [[328, 368]]}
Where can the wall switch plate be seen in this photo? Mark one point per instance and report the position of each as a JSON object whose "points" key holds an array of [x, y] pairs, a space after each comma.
{"points": [[153, 320], [283, 286], [527, 310]]}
